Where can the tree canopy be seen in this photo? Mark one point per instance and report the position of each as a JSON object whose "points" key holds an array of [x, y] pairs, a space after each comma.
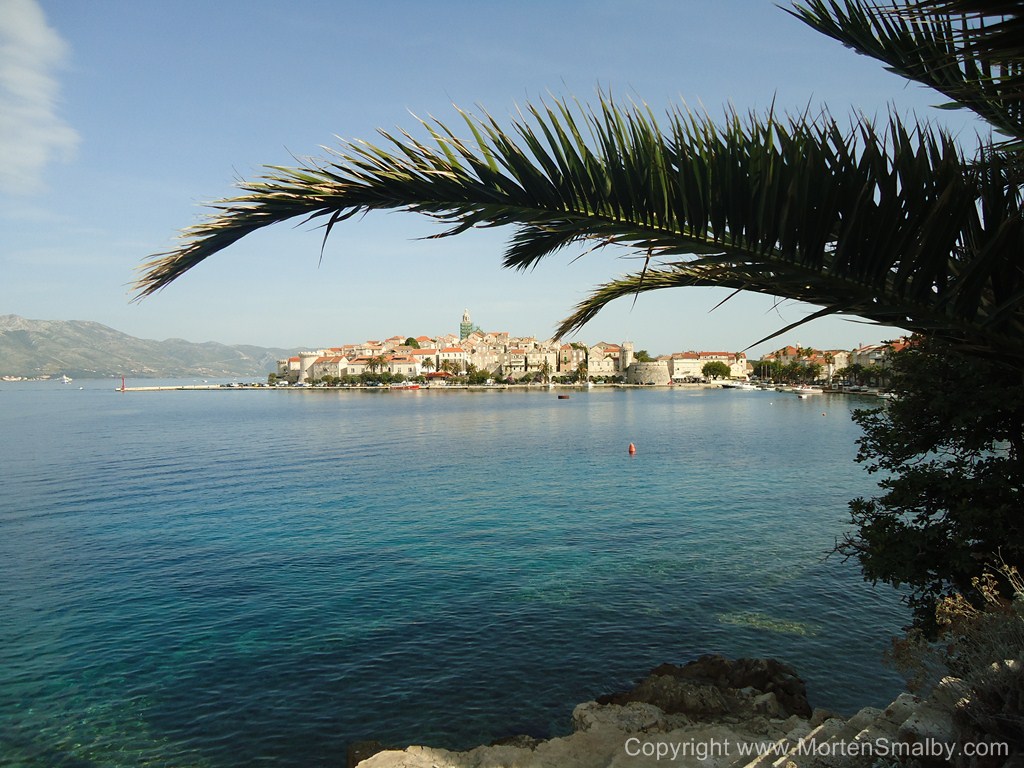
{"points": [[950, 451], [715, 369]]}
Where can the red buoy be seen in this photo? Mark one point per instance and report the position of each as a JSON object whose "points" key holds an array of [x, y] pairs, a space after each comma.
{"points": [[632, 449]]}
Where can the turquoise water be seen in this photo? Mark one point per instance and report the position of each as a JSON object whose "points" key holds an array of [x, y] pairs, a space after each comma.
{"points": [[234, 578]]}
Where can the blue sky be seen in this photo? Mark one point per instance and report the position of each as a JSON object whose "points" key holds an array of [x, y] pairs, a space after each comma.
{"points": [[119, 118]]}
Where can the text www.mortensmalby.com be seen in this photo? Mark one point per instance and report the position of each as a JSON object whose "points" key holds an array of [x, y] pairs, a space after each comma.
{"points": [[703, 749]]}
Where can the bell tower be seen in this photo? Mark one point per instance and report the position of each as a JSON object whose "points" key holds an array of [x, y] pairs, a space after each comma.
{"points": [[466, 326]]}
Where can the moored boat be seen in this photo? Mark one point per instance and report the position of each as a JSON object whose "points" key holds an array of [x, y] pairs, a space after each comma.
{"points": [[804, 390]]}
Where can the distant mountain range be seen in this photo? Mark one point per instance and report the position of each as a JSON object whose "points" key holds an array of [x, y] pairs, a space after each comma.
{"points": [[33, 348]]}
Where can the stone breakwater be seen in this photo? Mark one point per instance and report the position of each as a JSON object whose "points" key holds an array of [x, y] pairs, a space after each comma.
{"points": [[716, 713]]}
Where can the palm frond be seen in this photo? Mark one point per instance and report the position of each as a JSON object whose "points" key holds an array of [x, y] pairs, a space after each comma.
{"points": [[969, 50], [880, 222]]}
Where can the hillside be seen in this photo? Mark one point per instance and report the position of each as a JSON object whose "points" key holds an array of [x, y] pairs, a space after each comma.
{"points": [[81, 349]]}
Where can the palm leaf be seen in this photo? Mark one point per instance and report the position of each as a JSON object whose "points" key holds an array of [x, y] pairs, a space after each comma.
{"points": [[969, 50], [882, 223]]}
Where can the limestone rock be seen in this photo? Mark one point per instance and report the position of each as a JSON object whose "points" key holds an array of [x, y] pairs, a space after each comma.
{"points": [[950, 692], [521, 741], [712, 701], [927, 724], [361, 750], [634, 717], [713, 687], [820, 715]]}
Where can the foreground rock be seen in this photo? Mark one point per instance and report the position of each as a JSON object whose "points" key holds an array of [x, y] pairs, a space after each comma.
{"points": [[719, 713], [714, 688], [704, 713]]}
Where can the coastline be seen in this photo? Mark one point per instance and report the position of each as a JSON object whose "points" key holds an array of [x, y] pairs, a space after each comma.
{"points": [[561, 388], [425, 388], [710, 713]]}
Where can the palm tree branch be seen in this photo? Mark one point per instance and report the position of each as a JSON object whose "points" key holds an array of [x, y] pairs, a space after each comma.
{"points": [[968, 50], [891, 211]]}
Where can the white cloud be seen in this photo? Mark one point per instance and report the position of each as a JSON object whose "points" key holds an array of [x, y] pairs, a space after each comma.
{"points": [[31, 132]]}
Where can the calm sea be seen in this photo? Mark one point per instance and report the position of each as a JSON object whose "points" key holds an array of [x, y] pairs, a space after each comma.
{"points": [[234, 578]]}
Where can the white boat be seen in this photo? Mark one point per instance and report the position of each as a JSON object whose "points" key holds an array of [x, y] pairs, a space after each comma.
{"points": [[744, 385], [65, 379], [804, 390]]}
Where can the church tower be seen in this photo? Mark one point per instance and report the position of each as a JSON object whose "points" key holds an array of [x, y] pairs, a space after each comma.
{"points": [[466, 326]]}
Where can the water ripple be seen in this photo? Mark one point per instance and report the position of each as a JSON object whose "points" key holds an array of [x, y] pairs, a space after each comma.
{"points": [[233, 579]]}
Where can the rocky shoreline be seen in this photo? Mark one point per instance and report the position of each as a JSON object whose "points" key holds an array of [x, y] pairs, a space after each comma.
{"points": [[712, 713]]}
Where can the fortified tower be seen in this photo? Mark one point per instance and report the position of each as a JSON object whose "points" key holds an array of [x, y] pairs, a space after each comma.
{"points": [[306, 360], [466, 326], [625, 356]]}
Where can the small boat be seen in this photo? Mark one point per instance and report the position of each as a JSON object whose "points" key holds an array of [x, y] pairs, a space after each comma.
{"points": [[404, 386], [563, 397], [65, 379], [804, 390]]}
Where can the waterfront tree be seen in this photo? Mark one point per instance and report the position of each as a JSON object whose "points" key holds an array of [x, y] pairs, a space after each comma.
{"points": [[580, 373], [950, 449], [769, 369], [545, 371], [855, 373], [715, 369]]}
